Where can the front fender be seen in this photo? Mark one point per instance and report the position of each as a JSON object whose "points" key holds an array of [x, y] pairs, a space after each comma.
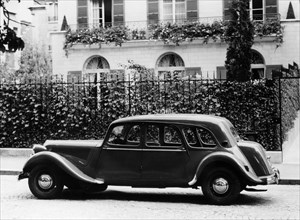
{"points": [[224, 158], [61, 162]]}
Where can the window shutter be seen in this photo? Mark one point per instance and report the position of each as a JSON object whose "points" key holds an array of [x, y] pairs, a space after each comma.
{"points": [[271, 9], [152, 11], [270, 68], [82, 13], [118, 12], [191, 10], [221, 72]]}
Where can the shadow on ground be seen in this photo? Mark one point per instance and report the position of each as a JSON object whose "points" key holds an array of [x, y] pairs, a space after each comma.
{"points": [[195, 198]]}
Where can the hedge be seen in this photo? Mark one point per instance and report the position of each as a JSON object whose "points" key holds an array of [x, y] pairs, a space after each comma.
{"points": [[33, 113]]}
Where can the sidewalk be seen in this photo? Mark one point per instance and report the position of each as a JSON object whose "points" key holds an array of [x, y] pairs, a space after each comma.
{"points": [[11, 164]]}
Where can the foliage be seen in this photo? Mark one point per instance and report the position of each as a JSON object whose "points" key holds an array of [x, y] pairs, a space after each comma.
{"points": [[169, 33], [176, 33], [290, 96], [239, 35], [6, 73], [270, 27], [9, 42], [138, 34], [34, 62], [116, 34], [32, 113]]}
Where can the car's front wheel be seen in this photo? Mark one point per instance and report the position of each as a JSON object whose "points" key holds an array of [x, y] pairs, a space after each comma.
{"points": [[45, 182], [221, 186]]}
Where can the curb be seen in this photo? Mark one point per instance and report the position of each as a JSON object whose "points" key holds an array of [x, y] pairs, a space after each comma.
{"points": [[16, 152], [289, 182], [9, 172]]}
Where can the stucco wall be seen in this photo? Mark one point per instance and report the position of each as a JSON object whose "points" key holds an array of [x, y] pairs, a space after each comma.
{"points": [[283, 6], [69, 9], [210, 9], [195, 54]]}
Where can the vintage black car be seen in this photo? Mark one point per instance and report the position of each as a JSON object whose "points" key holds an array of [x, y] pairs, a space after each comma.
{"points": [[167, 150]]}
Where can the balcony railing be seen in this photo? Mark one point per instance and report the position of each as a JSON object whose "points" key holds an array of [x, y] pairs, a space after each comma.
{"points": [[52, 18], [145, 24], [168, 31]]}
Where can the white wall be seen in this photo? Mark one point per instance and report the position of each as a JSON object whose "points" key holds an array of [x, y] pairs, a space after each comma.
{"points": [[206, 56], [67, 8], [283, 6], [210, 8]]}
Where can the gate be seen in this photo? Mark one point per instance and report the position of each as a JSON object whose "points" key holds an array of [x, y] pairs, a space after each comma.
{"points": [[289, 98]]}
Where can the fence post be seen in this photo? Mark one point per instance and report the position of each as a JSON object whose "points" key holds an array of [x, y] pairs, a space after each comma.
{"points": [[129, 98], [280, 112]]}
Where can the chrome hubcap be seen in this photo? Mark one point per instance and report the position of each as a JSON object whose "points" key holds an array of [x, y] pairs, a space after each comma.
{"points": [[220, 185], [45, 181]]}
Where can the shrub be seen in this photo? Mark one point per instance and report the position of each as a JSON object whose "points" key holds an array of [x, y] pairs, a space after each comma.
{"points": [[33, 113]]}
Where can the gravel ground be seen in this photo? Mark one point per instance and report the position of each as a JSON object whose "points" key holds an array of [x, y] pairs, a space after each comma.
{"points": [[279, 202]]}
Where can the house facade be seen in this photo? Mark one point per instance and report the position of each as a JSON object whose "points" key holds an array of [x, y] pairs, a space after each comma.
{"points": [[200, 57]]}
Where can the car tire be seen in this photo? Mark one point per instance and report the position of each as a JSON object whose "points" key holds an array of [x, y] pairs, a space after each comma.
{"points": [[221, 186], [45, 182]]}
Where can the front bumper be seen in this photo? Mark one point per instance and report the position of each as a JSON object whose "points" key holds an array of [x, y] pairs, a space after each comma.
{"points": [[273, 178]]}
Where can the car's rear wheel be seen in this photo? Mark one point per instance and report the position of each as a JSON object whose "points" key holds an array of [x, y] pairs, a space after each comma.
{"points": [[221, 186], [45, 182]]}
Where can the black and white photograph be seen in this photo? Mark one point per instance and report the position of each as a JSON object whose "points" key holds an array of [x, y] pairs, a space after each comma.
{"points": [[149, 109]]}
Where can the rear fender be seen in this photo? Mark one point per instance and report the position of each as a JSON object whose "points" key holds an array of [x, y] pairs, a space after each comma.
{"points": [[59, 161], [226, 159]]}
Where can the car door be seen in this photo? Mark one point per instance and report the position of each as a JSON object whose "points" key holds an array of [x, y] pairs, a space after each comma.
{"points": [[120, 158], [164, 156]]}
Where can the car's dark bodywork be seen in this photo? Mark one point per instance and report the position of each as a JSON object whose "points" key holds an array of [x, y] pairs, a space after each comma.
{"points": [[175, 150]]}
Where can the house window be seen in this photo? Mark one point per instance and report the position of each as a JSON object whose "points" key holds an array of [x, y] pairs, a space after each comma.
{"points": [[257, 66], [100, 13], [258, 9], [96, 69], [172, 10], [95, 13], [170, 65], [52, 11]]}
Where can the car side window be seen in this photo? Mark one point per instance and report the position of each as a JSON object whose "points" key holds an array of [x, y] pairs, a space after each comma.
{"points": [[134, 135], [125, 135], [191, 136], [207, 139], [152, 136], [171, 136], [117, 135]]}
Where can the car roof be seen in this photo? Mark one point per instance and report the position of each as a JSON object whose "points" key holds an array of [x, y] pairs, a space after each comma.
{"points": [[193, 119]]}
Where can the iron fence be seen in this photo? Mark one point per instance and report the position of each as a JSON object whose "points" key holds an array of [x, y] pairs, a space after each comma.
{"points": [[50, 108]]}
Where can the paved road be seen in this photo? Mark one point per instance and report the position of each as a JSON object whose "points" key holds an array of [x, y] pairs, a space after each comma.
{"points": [[279, 202]]}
